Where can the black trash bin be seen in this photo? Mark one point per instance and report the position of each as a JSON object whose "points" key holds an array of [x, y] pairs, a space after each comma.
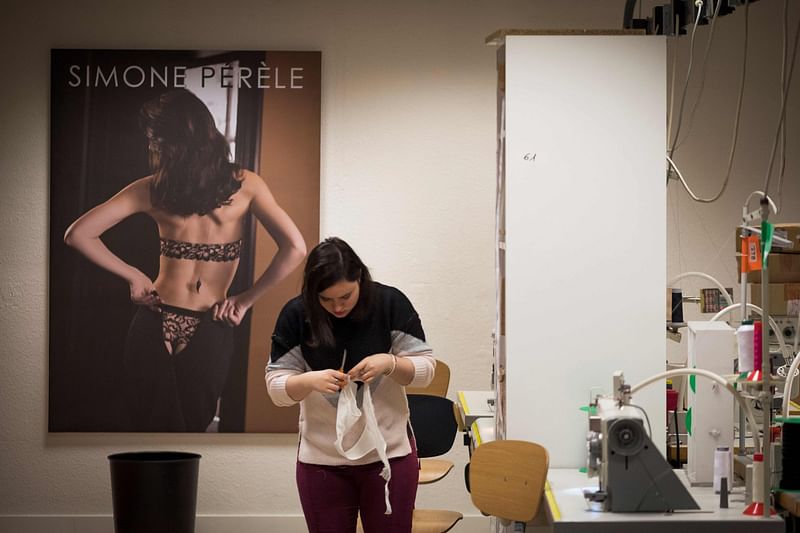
{"points": [[154, 492]]}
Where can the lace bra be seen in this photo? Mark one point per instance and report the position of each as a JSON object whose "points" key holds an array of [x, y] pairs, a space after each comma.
{"points": [[193, 251]]}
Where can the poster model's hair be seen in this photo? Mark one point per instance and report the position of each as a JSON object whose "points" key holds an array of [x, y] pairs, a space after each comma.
{"points": [[189, 157]]}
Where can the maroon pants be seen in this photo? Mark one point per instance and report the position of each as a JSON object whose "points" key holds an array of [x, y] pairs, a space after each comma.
{"points": [[332, 496]]}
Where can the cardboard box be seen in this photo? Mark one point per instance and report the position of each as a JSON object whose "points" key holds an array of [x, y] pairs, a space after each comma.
{"points": [[784, 298], [783, 268], [790, 232]]}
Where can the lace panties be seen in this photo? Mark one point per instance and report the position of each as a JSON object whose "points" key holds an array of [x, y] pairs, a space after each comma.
{"points": [[178, 325]]}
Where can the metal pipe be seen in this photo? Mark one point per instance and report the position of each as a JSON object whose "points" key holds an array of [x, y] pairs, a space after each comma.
{"points": [[766, 392]]}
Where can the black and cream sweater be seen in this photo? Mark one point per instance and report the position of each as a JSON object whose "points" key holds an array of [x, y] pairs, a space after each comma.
{"points": [[391, 326]]}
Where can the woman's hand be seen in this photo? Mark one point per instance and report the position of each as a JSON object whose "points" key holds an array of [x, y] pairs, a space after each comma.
{"points": [[325, 381], [372, 366], [328, 381], [143, 292], [232, 309]]}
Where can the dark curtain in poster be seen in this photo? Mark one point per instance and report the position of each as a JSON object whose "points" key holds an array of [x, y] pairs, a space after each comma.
{"points": [[98, 147]]}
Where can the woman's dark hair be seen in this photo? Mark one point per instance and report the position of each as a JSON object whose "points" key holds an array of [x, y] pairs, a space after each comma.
{"points": [[189, 157], [330, 262]]}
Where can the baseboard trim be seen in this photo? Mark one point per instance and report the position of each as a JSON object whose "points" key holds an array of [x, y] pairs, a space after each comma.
{"points": [[203, 524]]}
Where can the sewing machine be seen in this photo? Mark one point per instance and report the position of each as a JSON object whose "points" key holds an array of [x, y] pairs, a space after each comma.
{"points": [[634, 476]]}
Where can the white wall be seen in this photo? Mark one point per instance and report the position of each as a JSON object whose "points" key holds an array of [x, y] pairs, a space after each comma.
{"points": [[408, 166], [568, 95]]}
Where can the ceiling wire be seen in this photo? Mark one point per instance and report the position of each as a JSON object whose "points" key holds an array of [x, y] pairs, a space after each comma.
{"points": [[671, 104], [737, 118], [782, 115], [783, 88], [702, 76], [686, 84]]}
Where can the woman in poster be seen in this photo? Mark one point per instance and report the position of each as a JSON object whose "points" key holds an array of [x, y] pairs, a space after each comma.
{"points": [[180, 341], [345, 327]]}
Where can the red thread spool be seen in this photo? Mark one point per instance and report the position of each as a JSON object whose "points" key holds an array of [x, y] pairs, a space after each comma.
{"points": [[757, 345]]}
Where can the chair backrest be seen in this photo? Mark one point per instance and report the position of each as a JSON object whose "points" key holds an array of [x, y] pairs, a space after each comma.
{"points": [[434, 423], [507, 478], [439, 385]]}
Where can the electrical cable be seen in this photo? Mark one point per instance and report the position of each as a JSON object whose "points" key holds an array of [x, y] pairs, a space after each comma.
{"points": [[757, 309], [793, 368], [787, 387], [785, 42], [703, 275], [671, 104], [737, 117], [677, 224], [782, 114], [751, 418], [699, 5], [797, 335], [702, 75], [746, 205], [647, 418], [677, 439]]}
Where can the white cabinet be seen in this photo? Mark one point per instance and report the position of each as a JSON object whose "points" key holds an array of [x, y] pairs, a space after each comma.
{"points": [[710, 417], [581, 251]]}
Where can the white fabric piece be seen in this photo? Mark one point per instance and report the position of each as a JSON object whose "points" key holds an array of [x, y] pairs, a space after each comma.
{"points": [[347, 415]]}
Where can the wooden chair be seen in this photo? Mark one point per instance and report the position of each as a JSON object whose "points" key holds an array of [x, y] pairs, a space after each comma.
{"points": [[434, 520], [430, 469], [507, 479], [439, 385], [434, 423]]}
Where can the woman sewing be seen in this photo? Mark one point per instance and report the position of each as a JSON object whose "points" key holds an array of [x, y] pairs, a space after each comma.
{"points": [[345, 327]]}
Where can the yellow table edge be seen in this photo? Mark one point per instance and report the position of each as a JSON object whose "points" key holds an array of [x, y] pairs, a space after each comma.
{"points": [[551, 502], [463, 402], [477, 433]]}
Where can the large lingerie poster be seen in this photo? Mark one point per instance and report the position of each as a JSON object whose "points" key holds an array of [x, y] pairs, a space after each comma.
{"points": [[148, 146]]}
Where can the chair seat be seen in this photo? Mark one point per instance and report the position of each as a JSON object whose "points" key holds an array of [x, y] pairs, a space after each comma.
{"points": [[428, 521], [434, 520], [507, 478], [431, 470]]}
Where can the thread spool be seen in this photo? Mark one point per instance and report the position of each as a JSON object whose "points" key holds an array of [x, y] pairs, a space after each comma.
{"points": [[790, 479], [748, 484], [758, 476], [723, 465], [757, 344], [745, 338], [756, 508]]}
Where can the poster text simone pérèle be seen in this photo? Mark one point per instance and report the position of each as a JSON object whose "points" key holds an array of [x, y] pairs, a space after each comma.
{"points": [[174, 76]]}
